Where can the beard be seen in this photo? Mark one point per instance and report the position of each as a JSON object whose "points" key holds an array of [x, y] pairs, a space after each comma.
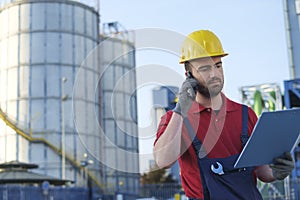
{"points": [[210, 90]]}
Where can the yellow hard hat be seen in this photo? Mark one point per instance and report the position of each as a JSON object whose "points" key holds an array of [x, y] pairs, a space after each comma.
{"points": [[201, 44]]}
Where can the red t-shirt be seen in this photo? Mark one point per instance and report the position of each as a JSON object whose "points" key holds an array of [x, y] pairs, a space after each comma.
{"points": [[220, 136]]}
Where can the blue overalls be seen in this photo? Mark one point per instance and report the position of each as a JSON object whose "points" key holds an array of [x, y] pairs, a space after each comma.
{"points": [[220, 180]]}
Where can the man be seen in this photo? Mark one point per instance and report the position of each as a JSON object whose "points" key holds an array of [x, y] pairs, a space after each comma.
{"points": [[206, 131]]}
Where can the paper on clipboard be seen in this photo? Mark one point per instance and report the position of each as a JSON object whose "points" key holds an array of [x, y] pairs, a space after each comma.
{"points": [[274, 133]]}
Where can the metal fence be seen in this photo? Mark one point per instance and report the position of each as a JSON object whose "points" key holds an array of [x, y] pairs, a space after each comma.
{"points": [[279, 190], [16, 192], [160, 191]]}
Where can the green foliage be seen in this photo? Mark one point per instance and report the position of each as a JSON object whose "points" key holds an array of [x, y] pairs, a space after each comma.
{"points": [[156, 175]]}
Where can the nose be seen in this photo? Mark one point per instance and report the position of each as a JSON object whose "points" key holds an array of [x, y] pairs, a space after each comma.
{"points": [[213, 71]]}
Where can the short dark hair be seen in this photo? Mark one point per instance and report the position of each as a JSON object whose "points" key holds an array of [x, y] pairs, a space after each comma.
{"points": [[187, 66]]}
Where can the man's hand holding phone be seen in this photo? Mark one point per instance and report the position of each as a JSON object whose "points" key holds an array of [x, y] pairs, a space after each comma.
{"points": [[186, 96]]}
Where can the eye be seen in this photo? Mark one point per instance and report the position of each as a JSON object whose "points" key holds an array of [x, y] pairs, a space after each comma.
{"points": [[218, 65], [203, 68]]}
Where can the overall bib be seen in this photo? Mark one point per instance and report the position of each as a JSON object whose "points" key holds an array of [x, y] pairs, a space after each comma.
{"points": [[220, 180]]}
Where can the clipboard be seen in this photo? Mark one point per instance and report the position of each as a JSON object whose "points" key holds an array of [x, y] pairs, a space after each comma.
{"points": [[274, 133]]}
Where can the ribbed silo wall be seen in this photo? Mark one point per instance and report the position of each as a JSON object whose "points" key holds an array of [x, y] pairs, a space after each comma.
{"points": [[119, 115], [41, 42]]}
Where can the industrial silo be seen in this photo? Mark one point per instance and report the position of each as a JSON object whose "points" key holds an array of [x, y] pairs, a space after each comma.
{"points": [[43, 45], [119, 111]]}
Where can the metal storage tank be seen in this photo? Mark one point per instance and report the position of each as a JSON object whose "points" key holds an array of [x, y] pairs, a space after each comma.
{"points": [[119, 111], [43, 44]]}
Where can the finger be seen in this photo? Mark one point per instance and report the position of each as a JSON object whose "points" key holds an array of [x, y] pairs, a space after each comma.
{"points": [[280, 169], [190, 92], [193, 82], [288, 156], [189, 84], [282, 161]]}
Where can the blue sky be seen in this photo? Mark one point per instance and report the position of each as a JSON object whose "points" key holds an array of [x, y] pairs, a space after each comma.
{"points": [[252, 32]]}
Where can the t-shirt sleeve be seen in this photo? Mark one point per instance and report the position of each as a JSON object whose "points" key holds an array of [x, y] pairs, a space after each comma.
{"points": [[164, 121]]}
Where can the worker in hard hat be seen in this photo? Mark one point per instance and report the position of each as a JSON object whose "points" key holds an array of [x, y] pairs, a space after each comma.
{"points": [[206, 131]]}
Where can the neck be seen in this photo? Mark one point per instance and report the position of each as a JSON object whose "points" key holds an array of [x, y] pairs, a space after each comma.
{"points": [[214, 103]]}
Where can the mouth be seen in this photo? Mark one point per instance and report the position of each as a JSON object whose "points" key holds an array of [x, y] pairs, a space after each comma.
{"points": [[214, 82]]}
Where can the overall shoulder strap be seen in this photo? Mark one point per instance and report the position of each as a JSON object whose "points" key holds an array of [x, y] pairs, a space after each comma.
{"points": [[196, 142], [244, 135]]}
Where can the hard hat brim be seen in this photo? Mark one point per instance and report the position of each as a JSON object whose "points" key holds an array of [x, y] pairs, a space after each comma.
{"points": [[208, 56]]}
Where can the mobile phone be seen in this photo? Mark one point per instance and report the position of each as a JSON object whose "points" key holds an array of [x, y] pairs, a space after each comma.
{"points": [[190, 75]]}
